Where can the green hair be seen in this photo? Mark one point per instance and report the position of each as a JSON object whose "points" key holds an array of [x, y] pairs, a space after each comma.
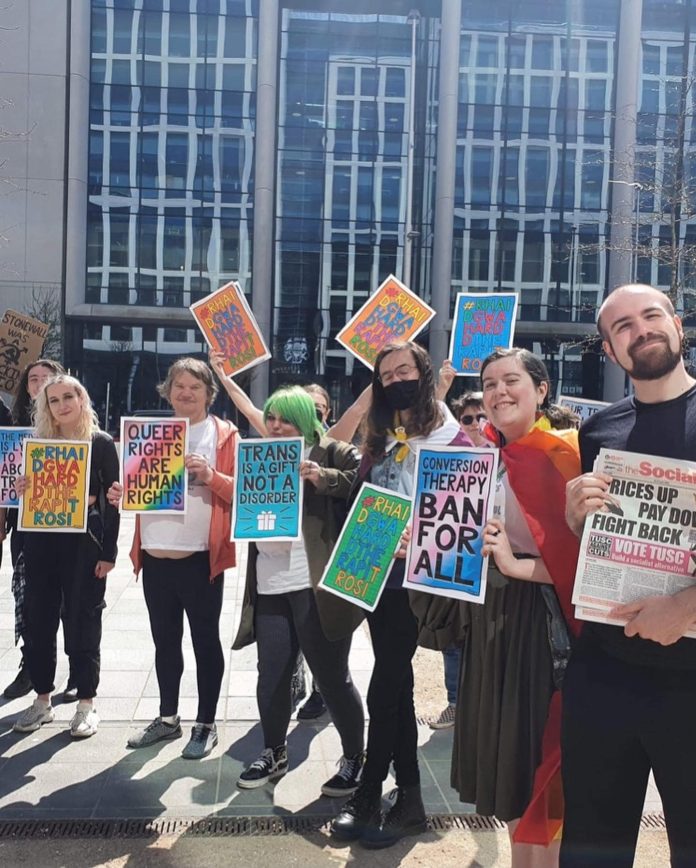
{"points": [[296, 406]]}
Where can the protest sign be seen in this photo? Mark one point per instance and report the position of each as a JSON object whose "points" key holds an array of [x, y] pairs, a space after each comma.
{"points": [[364, 552], [228, 325], [267, 501], [153, 472], [58, 472], [392, 313], [11, 440], [644, 542], [453, 500], [21, 341], [482, 323], [582, 407]]}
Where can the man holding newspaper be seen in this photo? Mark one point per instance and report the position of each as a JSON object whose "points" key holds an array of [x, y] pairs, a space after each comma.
{"points": [[630, 690]]}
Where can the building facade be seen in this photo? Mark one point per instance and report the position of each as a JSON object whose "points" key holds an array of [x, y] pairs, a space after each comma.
{"points": [[301, 148]]}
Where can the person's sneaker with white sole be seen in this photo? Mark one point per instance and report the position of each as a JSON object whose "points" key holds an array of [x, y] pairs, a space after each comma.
{"points": [[203, 740], [158, 730], [347, 779], [84, 723], [271, 765], [445, 719], [34, 717]]}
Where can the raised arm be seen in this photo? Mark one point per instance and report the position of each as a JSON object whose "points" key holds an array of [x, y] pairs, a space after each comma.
{"points": [[239, 397], [445, 378], [349, 422]]}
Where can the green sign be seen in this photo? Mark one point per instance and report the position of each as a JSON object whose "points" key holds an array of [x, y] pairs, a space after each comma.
{"points": [[364, 552]]}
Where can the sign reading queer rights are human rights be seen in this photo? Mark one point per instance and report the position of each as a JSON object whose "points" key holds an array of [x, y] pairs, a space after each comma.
{"points": [[365, 550], [153, 472], [483, 323], [56, 499], [452, 503], [11, 440], [267, 502]]}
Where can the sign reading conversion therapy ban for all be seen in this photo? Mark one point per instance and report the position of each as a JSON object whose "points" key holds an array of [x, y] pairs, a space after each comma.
{"points": [[153, 472]]}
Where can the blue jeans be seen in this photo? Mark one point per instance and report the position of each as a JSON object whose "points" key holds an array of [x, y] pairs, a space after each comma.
{"points": [[452, 657]]}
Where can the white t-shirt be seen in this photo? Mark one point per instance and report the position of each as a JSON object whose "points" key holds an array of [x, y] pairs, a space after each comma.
{"points": [[507, 508], [282, 567], [189, 532]]}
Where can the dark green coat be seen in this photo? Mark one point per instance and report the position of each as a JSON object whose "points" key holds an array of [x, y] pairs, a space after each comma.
{"points": [[339, 618]]}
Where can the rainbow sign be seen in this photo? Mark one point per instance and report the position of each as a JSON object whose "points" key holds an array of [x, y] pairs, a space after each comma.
{"points": [[153, 472], [11, 440]]}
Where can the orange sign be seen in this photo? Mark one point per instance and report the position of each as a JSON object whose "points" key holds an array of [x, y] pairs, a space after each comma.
{"points": [[393, 313], [228, 325]]}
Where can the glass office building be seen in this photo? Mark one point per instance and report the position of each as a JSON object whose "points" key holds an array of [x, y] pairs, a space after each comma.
{"points": [[188, 184]]}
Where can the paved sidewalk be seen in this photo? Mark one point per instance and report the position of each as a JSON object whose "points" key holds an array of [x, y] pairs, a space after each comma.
{"points": [[48, 775]]}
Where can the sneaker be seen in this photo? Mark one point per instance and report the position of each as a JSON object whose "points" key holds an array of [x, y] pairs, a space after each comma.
{"points": [[20, 686], [34, 717], [345, 781], [313, 708], [271, 765], [445, 719], [203, 740], [158, 730], [84, 722]]}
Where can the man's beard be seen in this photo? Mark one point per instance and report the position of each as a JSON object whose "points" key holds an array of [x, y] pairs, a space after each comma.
{"points": [[655, 364]]}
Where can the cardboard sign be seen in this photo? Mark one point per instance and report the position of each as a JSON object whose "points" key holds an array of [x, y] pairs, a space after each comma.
{"points": [[455, 488], [364, 552], [228, 325], [153, 473], [58, 471], [483, 323], [267, 502], [11, 440], [581, 406], [21, 341], [393, 313]]}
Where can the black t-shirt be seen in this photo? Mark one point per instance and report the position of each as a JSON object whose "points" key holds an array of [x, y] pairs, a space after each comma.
{"points": [[666, 429]]}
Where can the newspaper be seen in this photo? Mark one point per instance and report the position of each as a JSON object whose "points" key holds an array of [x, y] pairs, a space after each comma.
{"points": [[644, 542]]}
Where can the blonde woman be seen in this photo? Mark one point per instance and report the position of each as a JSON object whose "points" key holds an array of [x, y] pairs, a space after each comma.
{"points": [[69, 567]]}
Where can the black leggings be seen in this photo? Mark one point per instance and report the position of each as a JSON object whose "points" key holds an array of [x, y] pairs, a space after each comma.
{"points": [[284, 623], [172, 587], [393, 733], [619, 721], [60, 570]]}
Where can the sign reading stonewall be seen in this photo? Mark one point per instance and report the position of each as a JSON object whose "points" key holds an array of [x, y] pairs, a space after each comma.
{"points": [[11, 440], [267, 501], [153, 472], [365, 550], [228, 325], [392, 313], [58, 472], [451, 505], [483, 323], [21, 341]]}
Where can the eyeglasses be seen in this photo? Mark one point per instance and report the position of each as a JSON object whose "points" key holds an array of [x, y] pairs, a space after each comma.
{"points": [[469, 420], [400, 373]]}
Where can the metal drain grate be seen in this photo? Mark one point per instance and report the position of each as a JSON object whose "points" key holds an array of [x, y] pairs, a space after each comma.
{"points": [[229, 827]]}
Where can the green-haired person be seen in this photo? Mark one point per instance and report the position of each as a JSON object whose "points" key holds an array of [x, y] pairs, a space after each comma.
{"points": [[284, 611]]}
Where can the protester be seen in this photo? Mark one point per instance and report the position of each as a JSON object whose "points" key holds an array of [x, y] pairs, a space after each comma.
{"points": [[404, 414], [284, 611], [183, 558], [468, 411], [69, 569], [517, 644], [630, 692], [34, 377]]}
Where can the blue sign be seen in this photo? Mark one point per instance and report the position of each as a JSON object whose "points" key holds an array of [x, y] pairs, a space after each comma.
{"points": [[483, 323], [267, 500]]}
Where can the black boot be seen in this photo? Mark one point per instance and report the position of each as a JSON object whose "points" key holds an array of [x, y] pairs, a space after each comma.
{"points": [[405, 817], [21, 685], [358, 812]]}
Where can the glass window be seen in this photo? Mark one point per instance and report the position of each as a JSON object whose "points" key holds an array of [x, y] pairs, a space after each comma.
{"points": [[345, 80], [517, 46], [592, 177], [99, 31], [542, 52], [369, 78], [651, 59], [174, 243], [123, 30], [481, 172], [487, 52], [479, 251], [595, 93], [540, 91], [147, 241], [486, 88], [95, 239], [235, 37], [118, 225], [177, 161], [394, 116], [675, 60], [508, 189], [537, 177], [229, 245], [597, 56], [179, 35], [391, 194], [341, 193], [533, 257], [395, 84], [464, 49], [119, 176]]}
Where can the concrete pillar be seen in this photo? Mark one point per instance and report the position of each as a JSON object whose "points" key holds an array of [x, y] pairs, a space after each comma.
{"points": [[623, 193], [264, 184], [444, 187]]}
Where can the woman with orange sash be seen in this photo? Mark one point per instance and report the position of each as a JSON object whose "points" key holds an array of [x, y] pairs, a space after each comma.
{"points": [[506, 757]]}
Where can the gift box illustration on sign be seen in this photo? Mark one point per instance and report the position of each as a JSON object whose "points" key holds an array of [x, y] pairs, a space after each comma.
{"points": [[266, 520]]}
